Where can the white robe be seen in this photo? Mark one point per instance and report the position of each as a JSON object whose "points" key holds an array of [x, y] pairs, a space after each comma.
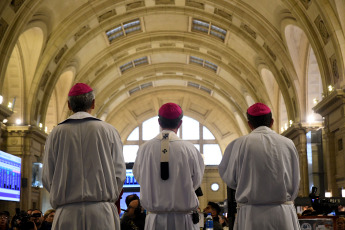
{"points": [[169, 202], [263, 168], [84, 171]]}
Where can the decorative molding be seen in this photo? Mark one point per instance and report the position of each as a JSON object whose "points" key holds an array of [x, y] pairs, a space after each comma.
{"points": [[223, 14], [3, 28], [306, 3], [134, 5], [167, 45], [214, 55], [251, 85], [195, 4], [335, 69], [294, 106], [4, 112], [106, 15], [248, 30], [101, 69], [165, 2], [191, 47], [60, 54], [81, 32], [286, 79], [270, 52], [44, 79], [16, 4], [320, 24], [143, 48]]}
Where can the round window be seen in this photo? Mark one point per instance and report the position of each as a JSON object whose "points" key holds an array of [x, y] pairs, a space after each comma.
{"points": [[215, 187]]}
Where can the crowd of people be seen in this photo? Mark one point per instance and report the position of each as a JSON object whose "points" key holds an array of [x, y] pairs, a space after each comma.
{"points": [[32, 219], [132, 219]]}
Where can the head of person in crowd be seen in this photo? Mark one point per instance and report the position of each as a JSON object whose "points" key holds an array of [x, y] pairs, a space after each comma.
{"points": [[258, 115], [130, 198], [212, 208], [29, 211], [341, 223], [134, 209], [48, 219], [4, 220], [81, 98], [170, 116], [49, 215], [36, 217]]}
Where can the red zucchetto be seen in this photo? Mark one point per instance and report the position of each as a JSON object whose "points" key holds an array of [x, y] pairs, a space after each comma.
{"points": [[79, 89], [170, 111], [258, 109]]}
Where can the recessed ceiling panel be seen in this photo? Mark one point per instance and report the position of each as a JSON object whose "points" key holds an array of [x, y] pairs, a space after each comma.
{"points": [[168, 58], [164, 22]]}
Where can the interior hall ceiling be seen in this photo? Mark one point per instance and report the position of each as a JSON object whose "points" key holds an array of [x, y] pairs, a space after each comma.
{"points": [[136, 55]]}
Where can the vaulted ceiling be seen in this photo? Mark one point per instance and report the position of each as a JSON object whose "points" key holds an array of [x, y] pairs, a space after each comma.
{"points": [[214, 58]]}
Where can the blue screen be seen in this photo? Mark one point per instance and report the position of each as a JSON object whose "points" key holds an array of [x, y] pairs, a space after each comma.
{"points": [[10, 168], [130, 181]]}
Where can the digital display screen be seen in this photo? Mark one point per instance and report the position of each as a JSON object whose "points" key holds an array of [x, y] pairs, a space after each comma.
{"points": [[10, 177], [130, 181]]}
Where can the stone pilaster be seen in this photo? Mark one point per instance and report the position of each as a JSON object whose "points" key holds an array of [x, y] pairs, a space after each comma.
{"points": [[297, 134], [4, 113], [332, 109], [26, 142]]}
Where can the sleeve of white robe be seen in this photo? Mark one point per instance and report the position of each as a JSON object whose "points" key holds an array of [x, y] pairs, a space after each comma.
{"points": [[198, 167], [228, 167], [136, 167], [119, 162], [48, 163]]}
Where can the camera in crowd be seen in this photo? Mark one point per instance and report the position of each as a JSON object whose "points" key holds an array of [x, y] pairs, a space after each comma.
{"points": [[323, 206], [21, 220]]}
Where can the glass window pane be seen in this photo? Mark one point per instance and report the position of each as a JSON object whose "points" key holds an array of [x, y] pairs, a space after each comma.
{"points": [[197, 146], [190, 129], [130, 152], [134, 136], [207, 134], [212, 154], [150, 128]]}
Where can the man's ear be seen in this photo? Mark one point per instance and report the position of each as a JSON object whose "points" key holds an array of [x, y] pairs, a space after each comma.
{"points": [[69, 106], [271, 124], [179, 124], [93, 104], [250, 125]]}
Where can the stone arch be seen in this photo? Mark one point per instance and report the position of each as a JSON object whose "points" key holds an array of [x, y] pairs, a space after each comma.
{"points": [[340, 9], [306, 67], [57, 109], [20, 72]]}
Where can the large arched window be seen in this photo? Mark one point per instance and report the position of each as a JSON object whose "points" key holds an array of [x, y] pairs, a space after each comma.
{"points": [[190, 130]]}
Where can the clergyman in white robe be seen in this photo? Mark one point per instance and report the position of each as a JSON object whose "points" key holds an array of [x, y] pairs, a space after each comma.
{"points": [[169, 202], [263, 168], [84, 171]]}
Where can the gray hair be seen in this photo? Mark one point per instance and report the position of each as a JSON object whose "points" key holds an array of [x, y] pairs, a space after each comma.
{"points": [[81, 103]]}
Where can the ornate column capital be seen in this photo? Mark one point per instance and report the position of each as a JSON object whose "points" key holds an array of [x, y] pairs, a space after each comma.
{"points": [[4, 112]]}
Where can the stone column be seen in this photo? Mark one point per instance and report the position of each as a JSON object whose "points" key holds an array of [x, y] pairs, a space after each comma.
{"points": [[4, 113], [26, 142], [332, 109], [297, 134]]}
